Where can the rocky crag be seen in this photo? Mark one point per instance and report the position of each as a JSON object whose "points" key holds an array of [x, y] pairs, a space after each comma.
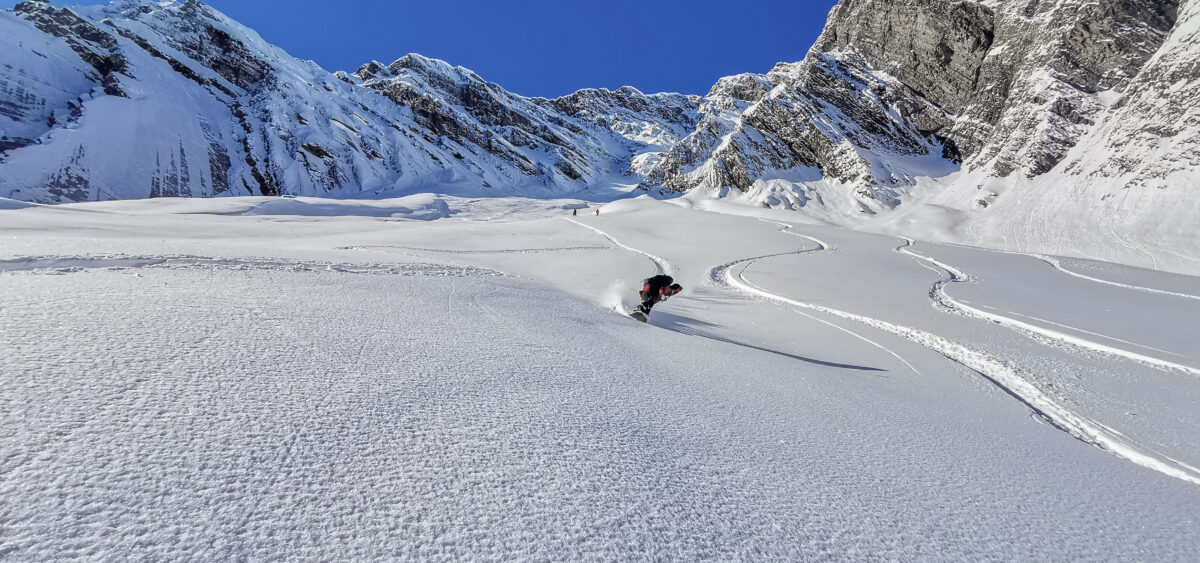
{"points": [[1005, 87], [1057, 126]]}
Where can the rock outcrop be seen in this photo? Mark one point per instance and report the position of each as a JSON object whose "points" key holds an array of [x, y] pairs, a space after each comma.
{"points": [[832, 116], [1007, 87]]}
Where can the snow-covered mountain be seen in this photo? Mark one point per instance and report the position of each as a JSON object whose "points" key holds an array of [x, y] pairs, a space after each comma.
{"points": [[566, 142], [829, 133], [138, 99], [1067, 126], [1011, 86], [1123, 185]]}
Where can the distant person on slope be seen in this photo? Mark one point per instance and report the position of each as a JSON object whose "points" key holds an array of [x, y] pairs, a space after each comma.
{"points": [[655, 290]]}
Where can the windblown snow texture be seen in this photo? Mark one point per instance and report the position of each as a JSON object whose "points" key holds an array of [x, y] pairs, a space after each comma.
{"points": [[261, 378]]}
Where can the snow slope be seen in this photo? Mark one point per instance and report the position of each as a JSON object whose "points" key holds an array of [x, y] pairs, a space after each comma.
{"points": [[194, 378]]}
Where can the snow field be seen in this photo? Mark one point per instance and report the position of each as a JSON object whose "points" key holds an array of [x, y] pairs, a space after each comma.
{"points": [[185, 384]]}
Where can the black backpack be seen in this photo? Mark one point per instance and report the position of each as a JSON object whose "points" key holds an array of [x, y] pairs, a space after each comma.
{"points": [[655, 283]]}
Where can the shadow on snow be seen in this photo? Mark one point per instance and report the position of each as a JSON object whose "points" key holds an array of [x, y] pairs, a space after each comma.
{"points": [[684, 325]]}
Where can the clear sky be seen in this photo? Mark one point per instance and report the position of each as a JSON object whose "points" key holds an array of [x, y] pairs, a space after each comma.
{"points": [[544, 47]]}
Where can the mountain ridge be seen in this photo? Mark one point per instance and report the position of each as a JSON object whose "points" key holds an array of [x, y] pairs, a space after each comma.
{"points": [[273, 125], [969, 120]]}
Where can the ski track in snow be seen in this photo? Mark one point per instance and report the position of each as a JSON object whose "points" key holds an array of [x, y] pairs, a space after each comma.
{"points": [[61, 265], [861, 337], [1010, 379], [1058, 266], [1007, 377], [1040, 320], [787, 230], [948, 303], [1004, 376], [822, 246], [661, 264]]}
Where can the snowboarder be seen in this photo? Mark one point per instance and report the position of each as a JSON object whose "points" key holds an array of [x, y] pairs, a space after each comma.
{"points": [[575, 212], [655, 290]]}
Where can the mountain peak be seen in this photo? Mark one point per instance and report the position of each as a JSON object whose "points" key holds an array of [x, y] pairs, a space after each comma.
{"points": [[900, 104]]}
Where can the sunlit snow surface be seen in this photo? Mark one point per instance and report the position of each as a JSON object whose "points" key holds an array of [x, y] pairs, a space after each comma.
{"points": [[261, 378]]}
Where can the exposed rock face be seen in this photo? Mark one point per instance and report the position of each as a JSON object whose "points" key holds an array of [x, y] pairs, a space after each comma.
{"points": [[1055, 58], [1153, 128], [1009, 87], [94, 46], [935, 47], [829, 114], [1017, 78], [1087, 137], [562, 138]]}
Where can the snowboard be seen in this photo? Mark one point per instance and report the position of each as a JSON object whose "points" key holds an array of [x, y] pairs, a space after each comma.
{"points": [[638, 316]]}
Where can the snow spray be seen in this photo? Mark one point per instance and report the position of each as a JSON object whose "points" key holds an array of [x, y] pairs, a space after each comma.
{"points": [[620, 297]]}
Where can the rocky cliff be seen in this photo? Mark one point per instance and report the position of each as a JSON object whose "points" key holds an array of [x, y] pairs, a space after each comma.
{"points": [[1007, 87], [1122, 186], [1066, 126], [831, 118]]}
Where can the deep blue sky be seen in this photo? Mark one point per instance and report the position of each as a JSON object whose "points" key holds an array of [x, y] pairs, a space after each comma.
{"points": [[544, 47]]}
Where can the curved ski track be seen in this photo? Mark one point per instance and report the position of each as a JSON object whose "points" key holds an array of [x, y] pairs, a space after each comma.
{"points": [[1058, 266], [1055, 263], [1007, 377], [948, 303], [661, 264]]}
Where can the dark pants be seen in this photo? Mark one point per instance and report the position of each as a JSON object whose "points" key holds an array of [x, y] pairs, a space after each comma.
{"points": [[649, 300]]}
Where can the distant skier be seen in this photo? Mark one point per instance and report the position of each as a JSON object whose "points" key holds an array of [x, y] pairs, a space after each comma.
{"points": [[575, 212], [655, 290]]}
